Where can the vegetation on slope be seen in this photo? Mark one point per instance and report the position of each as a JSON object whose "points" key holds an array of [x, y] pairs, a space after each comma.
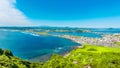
{"points": [[57, 61], [87, 56], [7, 60], [96, 57], [118, 43]]}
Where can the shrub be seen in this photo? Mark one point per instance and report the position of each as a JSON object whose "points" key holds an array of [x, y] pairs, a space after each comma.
{"points": [[91, 49]]}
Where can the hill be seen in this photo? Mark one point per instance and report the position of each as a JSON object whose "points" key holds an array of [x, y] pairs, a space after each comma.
{"points": [[88, 56]]}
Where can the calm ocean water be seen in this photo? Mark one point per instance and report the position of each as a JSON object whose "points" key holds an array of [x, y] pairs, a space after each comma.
{"points": [[106, 30], [98, 34], [84, 34], [27, 46]]}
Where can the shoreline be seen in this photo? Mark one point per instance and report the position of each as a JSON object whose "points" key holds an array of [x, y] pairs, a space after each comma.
{"points": [[104, 41], [107, 40]]}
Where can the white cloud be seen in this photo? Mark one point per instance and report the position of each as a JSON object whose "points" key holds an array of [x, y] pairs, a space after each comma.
{"points": [[11, 16]]}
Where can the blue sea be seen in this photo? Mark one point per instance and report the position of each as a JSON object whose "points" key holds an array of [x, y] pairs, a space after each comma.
{"points": [[28, 46], [94, 32], [106, 30], [84, 34]]}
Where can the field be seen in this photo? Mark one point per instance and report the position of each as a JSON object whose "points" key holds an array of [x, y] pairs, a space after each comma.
{"points": [[96, 56]]}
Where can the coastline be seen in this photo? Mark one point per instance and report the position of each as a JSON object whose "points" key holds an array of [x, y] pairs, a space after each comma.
{"points": [[106, 40], [77, 39], [43, 58]]}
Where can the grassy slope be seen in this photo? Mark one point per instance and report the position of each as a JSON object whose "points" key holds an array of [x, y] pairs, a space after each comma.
{"points": [[118, 43], [96, 56], [88, 56], [7, 60]]}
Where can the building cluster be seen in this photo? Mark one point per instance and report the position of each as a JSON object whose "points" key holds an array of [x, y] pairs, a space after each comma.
{"points": [[106, 40]]}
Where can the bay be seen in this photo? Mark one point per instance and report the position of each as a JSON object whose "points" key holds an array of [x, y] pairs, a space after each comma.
{"points": [[27, 46]]}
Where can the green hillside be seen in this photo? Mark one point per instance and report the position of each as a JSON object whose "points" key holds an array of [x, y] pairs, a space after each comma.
{"points": [[118, 43], [7, 60], [88, 56], [96, 57]]}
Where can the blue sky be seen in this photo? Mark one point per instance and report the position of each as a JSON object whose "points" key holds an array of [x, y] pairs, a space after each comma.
{"points": [[69, 9], [73, 13]]}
